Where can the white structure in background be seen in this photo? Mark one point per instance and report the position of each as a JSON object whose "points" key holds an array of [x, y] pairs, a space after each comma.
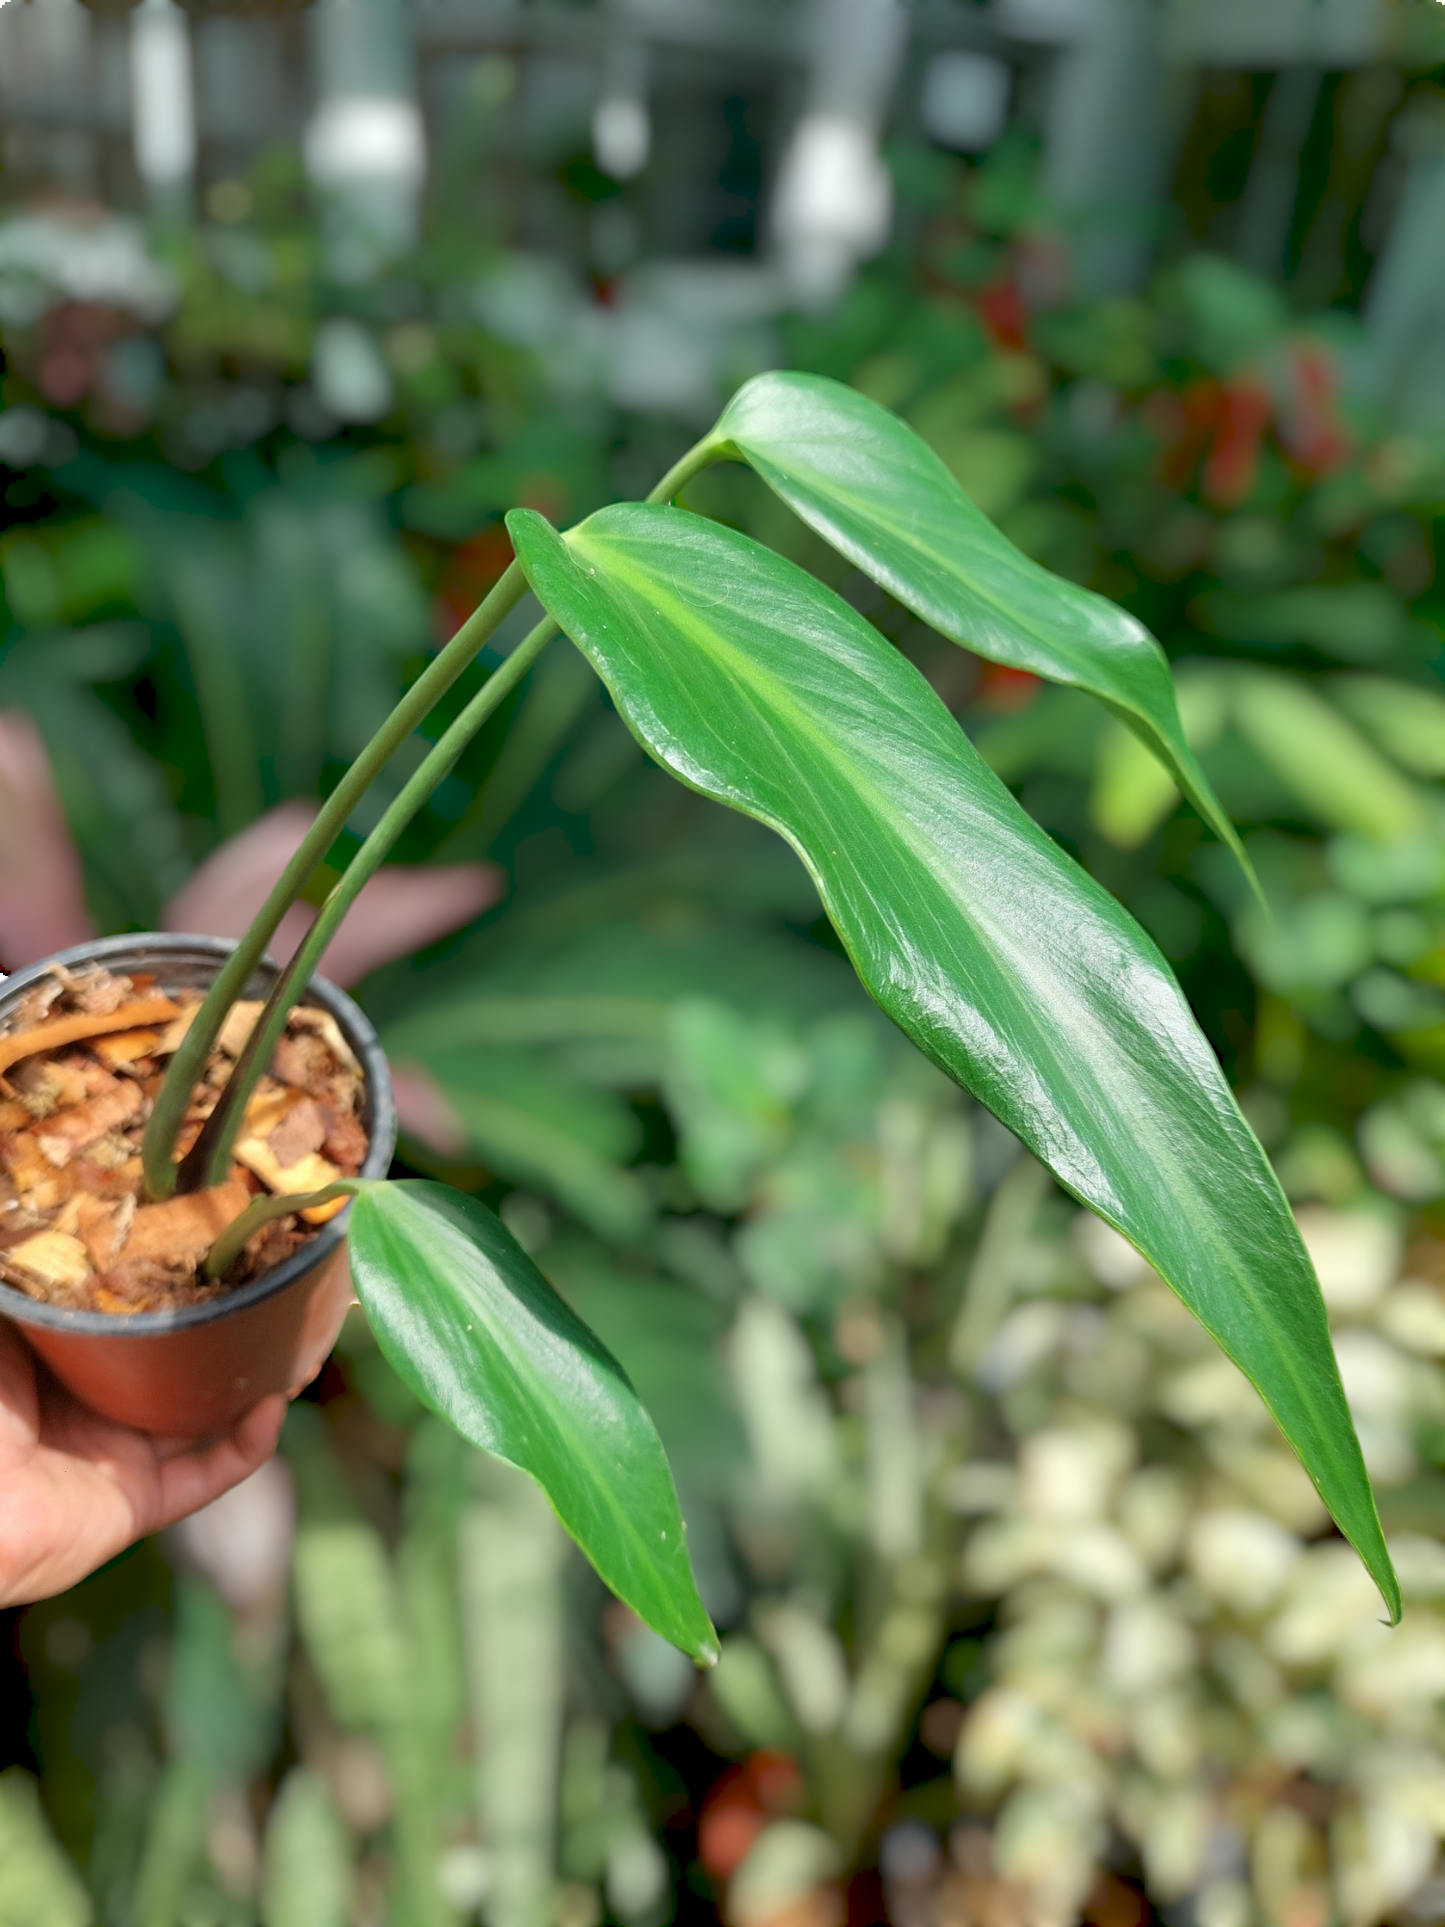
{"points": [[964, 100], [366, 144], [46, 48], [163, 111], [1405, 301], [74, 75], [69, 255], [349, 372], [1114, 72], [834, 201], [621, 120], [1104, 138]]}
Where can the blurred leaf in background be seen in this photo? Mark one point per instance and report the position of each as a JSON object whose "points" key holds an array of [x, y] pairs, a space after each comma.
{"points": [[873, 1337]]}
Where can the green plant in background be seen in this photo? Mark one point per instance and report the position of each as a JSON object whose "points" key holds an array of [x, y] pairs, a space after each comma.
{"points": [[1127, 444], [1223, 468], [1005, 964], [902, 1382], [1175, 1660]]}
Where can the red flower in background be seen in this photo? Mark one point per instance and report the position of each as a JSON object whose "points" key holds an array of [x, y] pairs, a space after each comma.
{"points": [[738, 1806], [1308, 422], [471, 571], [1184, 424], [1223, 424], [1003, 314], [1233, 460], [1003, 688]]}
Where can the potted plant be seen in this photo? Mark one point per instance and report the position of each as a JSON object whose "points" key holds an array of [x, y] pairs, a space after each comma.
{"points": [[1002, 960]]}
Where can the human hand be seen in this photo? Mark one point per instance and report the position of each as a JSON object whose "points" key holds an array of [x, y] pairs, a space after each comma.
{"points": [[76, 1489]]}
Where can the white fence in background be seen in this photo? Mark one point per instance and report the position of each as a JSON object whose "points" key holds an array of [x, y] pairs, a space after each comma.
{"points": [[146, 106]]}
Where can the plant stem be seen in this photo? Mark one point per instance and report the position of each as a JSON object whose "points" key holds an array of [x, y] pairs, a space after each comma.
{"points": [[697, 458], [168, 1114], [263, 1211], [211, 1152], [231, 980]]}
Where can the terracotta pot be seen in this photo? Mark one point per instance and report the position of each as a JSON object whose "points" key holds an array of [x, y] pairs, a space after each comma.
{"points": [[184, 1374]]}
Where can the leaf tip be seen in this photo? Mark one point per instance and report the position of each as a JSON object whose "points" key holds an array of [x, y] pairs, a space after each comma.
{"points": [[1381, 1568], [525, 519], [1251, 876]]}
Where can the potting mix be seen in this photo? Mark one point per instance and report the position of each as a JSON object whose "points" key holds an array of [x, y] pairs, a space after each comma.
{"points": [[82, 1058]]}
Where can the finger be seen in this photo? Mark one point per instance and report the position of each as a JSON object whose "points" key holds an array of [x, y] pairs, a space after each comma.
{"points": [[92, 1488], [186, 1483], [56, 1527], [19, 1401]]}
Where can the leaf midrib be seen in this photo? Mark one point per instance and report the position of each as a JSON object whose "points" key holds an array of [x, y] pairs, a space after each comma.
{"points": [[726, 655], [878, 510], [1165, 725]]}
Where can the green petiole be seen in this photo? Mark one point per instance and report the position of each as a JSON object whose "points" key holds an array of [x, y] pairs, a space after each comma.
{"points": [[263, 1211], [231, 980], [211, 1153]]}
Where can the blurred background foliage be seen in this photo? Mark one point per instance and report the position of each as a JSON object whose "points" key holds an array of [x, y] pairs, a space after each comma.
{"points": [[1028, 1616]]}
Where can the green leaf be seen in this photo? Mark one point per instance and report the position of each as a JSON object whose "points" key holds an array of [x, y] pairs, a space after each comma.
{"points": [[347, 1604], [308, 1877], [1009, 966], [865, 482], [477, 1332], [39, 1886], [366, 1649], [511, 1565], [537, 1127], [668, 1341], [1329, 766], [1406, 720], [1352, 621]]}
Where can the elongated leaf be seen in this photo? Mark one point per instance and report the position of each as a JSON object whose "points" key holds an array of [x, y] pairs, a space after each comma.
{"points": [[510, 1560], [308, 1875], [1407, 721], [39, 1886], [477, 1332], [877, 492], [536, 1126], [1339, 776], [1009, 966]]}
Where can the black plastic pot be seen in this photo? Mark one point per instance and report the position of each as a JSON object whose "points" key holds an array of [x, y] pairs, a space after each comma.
{"points": [[184, 1374]]}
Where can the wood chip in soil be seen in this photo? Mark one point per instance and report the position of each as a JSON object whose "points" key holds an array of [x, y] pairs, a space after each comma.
{"points": [[82, 1058]]}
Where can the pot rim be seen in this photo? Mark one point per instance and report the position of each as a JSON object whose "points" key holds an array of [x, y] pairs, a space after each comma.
{"points": [[379, 1113]]}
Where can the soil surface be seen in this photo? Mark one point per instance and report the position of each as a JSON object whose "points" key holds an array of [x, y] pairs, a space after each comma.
{"points": [[81, 1061]]}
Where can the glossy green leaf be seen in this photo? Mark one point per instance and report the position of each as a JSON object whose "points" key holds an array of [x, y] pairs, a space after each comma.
{"points": [[477, 1332], [879, 494], [1009, 966]]}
